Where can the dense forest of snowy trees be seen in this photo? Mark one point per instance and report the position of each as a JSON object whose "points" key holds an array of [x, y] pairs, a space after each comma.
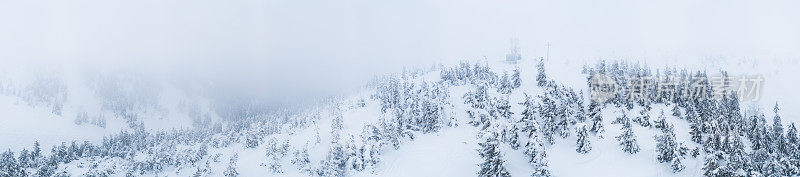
{"points": [[717, 124], [730, 140]]}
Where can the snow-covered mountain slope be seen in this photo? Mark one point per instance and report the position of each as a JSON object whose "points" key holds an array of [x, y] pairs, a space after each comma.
{"points": [[467, 119], [58, 106]]}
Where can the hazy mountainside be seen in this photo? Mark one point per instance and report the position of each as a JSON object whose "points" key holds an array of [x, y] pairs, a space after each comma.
{"points": [[88, 106], [469, 119]]}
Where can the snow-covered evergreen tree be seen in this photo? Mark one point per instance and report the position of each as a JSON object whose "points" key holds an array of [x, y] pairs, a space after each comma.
{"points": [[493, 164], [583, 143], [660, 122], [9, 165], [677, 165], [696, 134], [621, 119], [541, 78], [355, 160], [644, 117], [479, 97], [513, 137], [595, 118], [779, 141], [666, 146], [335, 163], [535, 151], [516, 80], [24, 159], [251, 141], [676, 111], [36, 155], [547, 112], [505, 86], [503, 108], [528, 121], [563, 125], [791, 134], [302, 160], [714, 165], [231, 171], [371, 146], [772, 166], [627, 139]]}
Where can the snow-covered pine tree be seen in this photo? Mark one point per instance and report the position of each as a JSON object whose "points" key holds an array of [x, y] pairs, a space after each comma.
{"points": [[251, 141], [200, 170], [477, 98], [36, 155], [231, 170], [595, 118], [504, 86], [72, 151], [644, 117], [580, 110], [46, 169], [713, 140], [503, 108], [335, 164], [772, 167], [696, 134], [621, 119], [302, 160], [779, 142], [60, 153], [372, 143], [541, 78], [516, 81], [791, 136], [493, 164], [660, 122], [666, 146], [535, 151], [389, 132], [677, 165], [431, 116], [788, 166], [739, 159], [9, 166], [24, 159], [563, 124], [547, 111], [758, 133], [627, 139], [715, 165], [513, 137], [528, 120], [676, 111], [355, 160], [583, 144]]}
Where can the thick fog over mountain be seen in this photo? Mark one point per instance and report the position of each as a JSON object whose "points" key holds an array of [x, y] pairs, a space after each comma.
{"points": [[258, 42], [399, 88]]}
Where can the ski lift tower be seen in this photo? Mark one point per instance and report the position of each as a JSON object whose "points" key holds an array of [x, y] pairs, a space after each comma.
{"points": [[514, 56]]}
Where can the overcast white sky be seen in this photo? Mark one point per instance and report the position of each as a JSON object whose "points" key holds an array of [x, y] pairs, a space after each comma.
{"points": [[247, 41]]}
